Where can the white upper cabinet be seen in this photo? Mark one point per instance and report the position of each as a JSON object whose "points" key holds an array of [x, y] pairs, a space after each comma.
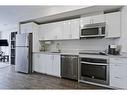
{"points": [[92, 19], [113, 25], [42, 31], [74, 29], [27, 27], [51, 31], [61, 30], [71, 29], [56, 30], [66, 30], [98, 19]]}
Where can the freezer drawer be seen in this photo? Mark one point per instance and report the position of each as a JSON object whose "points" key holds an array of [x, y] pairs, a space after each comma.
{"points": [[22, 64]]}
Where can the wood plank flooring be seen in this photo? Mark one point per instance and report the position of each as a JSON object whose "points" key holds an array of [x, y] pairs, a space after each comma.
{"points": [[9, 79]]}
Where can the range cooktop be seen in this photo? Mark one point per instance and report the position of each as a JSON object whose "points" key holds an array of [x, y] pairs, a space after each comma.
{"points": [[93, 52]]}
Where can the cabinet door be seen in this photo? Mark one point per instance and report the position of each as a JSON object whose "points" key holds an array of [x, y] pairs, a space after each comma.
{"points": [[51, 31], [85, 21], [42, 31], [98, 19], [46, 32], [66, 29], [92, 19], [74, 29], [27, 27], [48, 63], [56, 30], [113, 25], [117, 76], [56, 65], [43, 63], [36, 63]]}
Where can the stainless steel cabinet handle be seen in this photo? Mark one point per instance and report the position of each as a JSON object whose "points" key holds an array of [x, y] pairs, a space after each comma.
{"points": [[118, 77]]}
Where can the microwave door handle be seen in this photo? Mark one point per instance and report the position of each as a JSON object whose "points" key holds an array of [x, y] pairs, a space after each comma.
{"points": [[100, 29]]}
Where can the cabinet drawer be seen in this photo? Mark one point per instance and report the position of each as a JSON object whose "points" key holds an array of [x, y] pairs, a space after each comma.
{"points": [[118, 70], [118, 82], [118, 60]]}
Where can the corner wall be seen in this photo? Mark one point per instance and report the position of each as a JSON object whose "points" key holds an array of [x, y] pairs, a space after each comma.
{"points": [[123, 39]]}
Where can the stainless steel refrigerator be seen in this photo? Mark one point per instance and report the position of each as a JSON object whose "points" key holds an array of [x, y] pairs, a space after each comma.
{"points": [[23, 53]]}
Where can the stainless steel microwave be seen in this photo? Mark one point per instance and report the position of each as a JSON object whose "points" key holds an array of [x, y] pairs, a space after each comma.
{"points": [[93, 30]]}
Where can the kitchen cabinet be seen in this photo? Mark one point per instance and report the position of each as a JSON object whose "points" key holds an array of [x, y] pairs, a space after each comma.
{"points": [[61, 30], [56, 65], [51, 31], [74, 29], [113, 25], [118, 77], [53, 64], [47, 64], [39, 62], [66, 28], [45, 32], [92, 19], [36, 64], [42, 63], [43, 29], [56, 29], [28, 27], [31, 28]]}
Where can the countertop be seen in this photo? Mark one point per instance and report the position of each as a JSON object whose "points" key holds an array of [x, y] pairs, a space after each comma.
{"points": [[77, 53], [61, 53]]}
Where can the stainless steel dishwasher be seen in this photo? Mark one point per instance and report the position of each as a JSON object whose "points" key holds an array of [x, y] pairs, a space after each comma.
{"points": [[69, 66]]}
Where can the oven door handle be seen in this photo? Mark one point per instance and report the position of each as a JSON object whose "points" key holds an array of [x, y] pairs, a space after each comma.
{"points": [[101, 64]]}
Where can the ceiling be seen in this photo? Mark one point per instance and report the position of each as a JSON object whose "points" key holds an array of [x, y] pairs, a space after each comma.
{"points": [[11, 15]]}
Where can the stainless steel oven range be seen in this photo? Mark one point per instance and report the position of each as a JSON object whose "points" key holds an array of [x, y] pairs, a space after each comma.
{"points": [[94, 68]]}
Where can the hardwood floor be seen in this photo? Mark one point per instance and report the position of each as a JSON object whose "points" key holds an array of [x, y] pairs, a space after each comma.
{"points": [[9, 79]]}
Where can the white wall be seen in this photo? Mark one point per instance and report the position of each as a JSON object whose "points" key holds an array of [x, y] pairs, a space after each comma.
{"points": [[123, 39], [6, 35]]}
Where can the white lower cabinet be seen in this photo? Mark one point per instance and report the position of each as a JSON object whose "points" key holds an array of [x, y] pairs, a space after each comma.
{"points": [[47, 64], [118, 69], [56, 65], [36, 62]]}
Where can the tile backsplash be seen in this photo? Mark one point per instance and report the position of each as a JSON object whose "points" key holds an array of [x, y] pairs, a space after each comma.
{"points": [[86, 44]]}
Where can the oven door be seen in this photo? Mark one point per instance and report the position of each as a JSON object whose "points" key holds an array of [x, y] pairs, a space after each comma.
{"points": [[94, 72]]}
